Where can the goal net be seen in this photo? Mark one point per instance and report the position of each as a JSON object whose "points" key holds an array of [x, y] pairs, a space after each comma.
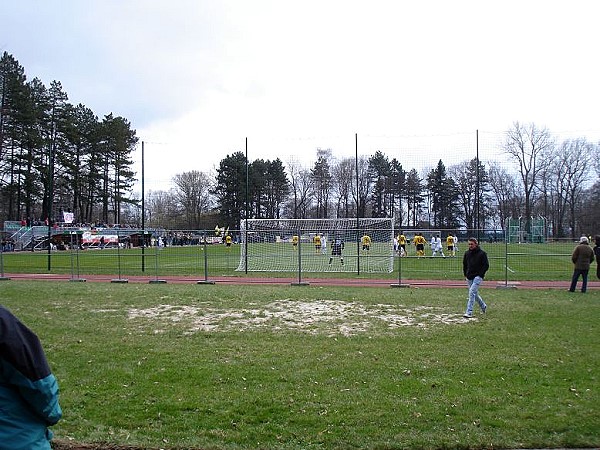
{"points": [[317, 245]]}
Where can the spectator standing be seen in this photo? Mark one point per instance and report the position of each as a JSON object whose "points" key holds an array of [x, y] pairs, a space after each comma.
{"points": [[597, 253], [28, 389], [582, 257]]}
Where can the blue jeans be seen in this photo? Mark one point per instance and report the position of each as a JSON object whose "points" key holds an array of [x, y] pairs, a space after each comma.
{"points": [[584, 276], [474, 295]]}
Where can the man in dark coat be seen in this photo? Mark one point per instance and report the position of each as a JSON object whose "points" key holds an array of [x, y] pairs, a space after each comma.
{"points": [[582, 257]]}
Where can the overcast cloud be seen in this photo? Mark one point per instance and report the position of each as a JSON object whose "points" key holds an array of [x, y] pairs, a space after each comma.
{"points": [[196, 77]]}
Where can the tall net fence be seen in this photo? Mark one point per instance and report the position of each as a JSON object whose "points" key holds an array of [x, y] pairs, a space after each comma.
{"points": [[197, 254], [536, 245]]}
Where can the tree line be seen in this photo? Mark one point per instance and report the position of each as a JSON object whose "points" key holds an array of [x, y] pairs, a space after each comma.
{"points": [[558, 181], [56, 157]]}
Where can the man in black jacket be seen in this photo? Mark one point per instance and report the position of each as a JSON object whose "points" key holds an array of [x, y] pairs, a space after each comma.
{"points": [[475, 265]]}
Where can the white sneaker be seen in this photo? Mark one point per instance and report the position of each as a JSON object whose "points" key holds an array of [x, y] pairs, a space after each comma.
{"points": [[467, 316]]}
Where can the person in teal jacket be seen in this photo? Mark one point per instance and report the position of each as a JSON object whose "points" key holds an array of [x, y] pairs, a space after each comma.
{"points": [[28, 390]]}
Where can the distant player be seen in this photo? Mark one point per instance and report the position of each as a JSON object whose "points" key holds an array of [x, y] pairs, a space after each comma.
{"points": [[436, 246], [228, 241], [336, 250], [366, 242], [402, 244], [317, 242], [420, 242], [450, 245], [295, 240]]}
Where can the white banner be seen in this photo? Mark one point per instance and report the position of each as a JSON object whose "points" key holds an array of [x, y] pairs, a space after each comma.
{"points": [[67, 217]]}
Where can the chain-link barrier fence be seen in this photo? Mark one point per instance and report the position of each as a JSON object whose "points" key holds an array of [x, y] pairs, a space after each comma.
{"points": [[514, 256]]}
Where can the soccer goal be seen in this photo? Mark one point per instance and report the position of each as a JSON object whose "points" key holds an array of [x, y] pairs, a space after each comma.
{"points": [[317, 245]]}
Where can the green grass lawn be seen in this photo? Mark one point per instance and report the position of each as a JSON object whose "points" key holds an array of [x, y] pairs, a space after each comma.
{"points": [[231, 367], [515, 262]]}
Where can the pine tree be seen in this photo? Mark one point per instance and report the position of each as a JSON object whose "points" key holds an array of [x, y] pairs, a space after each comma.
{"points": [[321, 177], [277, 188], [230, 189], [444, 196]]}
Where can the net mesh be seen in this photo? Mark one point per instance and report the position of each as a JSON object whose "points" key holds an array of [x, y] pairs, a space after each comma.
{"points": [[317, 245]]}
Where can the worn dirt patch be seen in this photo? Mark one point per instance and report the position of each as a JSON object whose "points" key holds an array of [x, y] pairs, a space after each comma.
{"points": [[329, 317]]}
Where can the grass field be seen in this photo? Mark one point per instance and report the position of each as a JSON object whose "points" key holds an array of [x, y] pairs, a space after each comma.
{"points": [[232, 367], [515, 262]]}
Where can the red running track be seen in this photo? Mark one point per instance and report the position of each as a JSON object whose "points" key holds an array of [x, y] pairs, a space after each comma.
{"points": [[359, 282]]}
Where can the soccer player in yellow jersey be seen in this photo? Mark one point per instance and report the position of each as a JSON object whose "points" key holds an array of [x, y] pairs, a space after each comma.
{"points": [[450, 245], [420, 242], [317, 242], [402, 244], [295, 240], [366, 243]]}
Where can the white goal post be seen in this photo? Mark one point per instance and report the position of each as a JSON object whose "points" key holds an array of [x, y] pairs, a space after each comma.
{"points": [[317, 245]]}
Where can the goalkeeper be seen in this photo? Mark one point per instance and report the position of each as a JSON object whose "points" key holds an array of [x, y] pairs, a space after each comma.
{"points": [[336, 250]]}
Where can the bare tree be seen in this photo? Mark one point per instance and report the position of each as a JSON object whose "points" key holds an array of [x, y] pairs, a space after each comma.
{"points": [[465, 176], [321, 175], [552, 204], [414, 197], [364, 186], [300, 187], [192, 192], [589, 212], [574, 162], [161, 209], [596, 157], [529, 146], [342, 175], [506, 193]]}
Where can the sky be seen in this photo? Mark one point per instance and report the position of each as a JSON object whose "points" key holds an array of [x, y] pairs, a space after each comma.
{"points": [[198, 79]]}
